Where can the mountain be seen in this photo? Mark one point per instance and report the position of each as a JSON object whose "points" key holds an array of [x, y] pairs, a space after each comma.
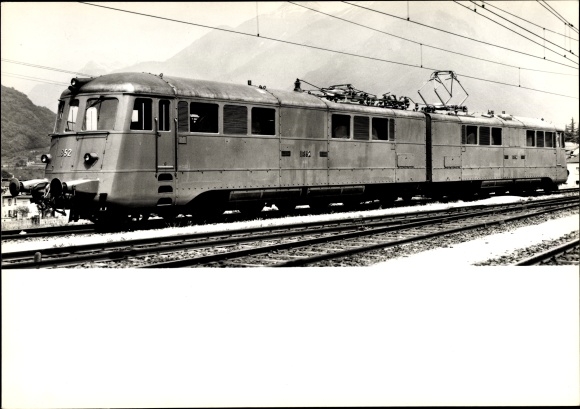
{"points": [[25, 126], [47, 95], [234, 58]]}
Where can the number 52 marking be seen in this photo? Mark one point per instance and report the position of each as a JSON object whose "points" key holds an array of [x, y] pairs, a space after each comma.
{"points": [[65, 152]]}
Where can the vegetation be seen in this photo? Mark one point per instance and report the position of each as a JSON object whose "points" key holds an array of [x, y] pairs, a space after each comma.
{"points": [[571, 133], [25, 126], [22, 173]]}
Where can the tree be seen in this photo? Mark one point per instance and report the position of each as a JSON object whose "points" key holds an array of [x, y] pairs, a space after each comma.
{"points": [[571, 132], [6, 174], [22, 211]]}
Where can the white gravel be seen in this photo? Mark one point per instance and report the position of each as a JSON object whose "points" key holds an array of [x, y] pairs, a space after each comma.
{"points": [[496, 245]]}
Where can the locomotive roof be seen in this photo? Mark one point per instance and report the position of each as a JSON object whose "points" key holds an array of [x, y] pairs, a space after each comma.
{"points": [[499, 120], [143, 83]]}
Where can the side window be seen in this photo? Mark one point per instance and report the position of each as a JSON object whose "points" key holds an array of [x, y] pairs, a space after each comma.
{"points": [[182, 116], [380, 129], [100, 114], [392, 129], [235, 119], [141, 116], [484, 137], [203, 117], [59, 116], [361, 128], [540, 139], [263, 121], [549, 139], [470, 135], [560, 142], [341, 126], [496, 136], [71, 120], [530, 138], [164, 121]]}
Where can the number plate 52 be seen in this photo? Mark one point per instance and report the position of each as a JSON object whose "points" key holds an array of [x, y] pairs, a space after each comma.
{"points": [[65, 152]]}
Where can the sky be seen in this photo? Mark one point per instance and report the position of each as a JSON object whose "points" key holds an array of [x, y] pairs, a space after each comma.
{"points": [[69, 35]]}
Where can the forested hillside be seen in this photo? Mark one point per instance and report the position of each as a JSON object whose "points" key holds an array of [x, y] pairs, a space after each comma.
{"points": [[25, 126]]}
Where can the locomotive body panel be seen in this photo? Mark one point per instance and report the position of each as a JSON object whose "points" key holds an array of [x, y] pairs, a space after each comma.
{"points": [[144, 143]]}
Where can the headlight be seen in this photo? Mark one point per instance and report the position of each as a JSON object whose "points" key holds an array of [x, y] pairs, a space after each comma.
{"points": [[90, 157], [46, 158]]}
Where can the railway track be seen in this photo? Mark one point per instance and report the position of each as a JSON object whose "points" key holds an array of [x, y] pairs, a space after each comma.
{"points": [[564, 254], [59, 231], [279, 245]]}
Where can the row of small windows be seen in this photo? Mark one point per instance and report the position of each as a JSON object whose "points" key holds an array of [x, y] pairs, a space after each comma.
{"points": [[480, 135], [101, 114], [543, 139], [380, 129]]}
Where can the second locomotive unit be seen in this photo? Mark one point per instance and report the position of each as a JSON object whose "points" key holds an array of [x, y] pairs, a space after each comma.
{"points": [[135, 144]]}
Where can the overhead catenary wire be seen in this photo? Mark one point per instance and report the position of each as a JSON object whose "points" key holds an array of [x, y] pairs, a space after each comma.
{"points": [[461, 36], [558, 15], [487, 4], [43, 67], [35, 79], [427, 45], [513, 31], [314, 47], [517, 25]]}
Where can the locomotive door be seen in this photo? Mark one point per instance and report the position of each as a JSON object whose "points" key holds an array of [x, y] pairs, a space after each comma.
{"points": [[165, 138], [303, 147]]}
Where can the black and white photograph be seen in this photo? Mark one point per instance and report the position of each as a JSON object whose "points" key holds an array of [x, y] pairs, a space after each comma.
{"points": [[290, 204]]}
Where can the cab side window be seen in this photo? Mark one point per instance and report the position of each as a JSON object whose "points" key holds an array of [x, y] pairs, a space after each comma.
{"points": [[164, 121], [141, 118]]}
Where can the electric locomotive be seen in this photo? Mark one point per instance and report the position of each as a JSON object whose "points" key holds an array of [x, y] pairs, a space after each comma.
{"points": [[136, 144]]}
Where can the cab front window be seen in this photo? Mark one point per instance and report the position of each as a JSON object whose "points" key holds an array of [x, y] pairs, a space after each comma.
{"points": [[100, 114], [69, 114]]}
